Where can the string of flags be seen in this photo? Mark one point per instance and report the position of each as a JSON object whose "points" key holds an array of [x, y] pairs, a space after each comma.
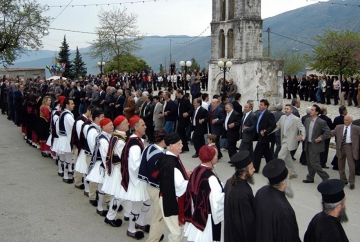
{"points": [[104, 4], [343, 4]]}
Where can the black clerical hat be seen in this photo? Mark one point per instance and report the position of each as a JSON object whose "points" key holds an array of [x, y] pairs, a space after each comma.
{"points": [[275, 171], [241, 159], [172, 138], [332, 190]]}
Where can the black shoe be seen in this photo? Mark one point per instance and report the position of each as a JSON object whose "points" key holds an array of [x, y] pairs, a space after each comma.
{"points": [[304, 164], [346, 183], [60, 174], [325, 167], [71, 173], [357, 173], [145, 228], [195, 156], [162, 237], [335, 168], [137, 235], [126, 218], [120, 208], [293, 158], [81, 187], [68, 181], [87, 194], [308, 181], [93, 202], [352, 186], [113, 223], [101, 213]]}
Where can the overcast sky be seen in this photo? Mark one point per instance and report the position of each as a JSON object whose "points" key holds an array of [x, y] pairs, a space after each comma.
{"points": [[160, 17]]}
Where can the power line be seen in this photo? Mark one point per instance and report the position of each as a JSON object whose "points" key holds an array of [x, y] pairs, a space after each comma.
{"points": [[187, 42], [292, 39], [105, 4], [61, 11], [343, 4]]}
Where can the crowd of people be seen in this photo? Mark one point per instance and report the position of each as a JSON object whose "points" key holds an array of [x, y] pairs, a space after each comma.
{"points": [[96, 134], [323, 89]]}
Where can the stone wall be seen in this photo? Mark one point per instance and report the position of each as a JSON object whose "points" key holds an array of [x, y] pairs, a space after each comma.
{"points": [[23, 73], [263, 77]]}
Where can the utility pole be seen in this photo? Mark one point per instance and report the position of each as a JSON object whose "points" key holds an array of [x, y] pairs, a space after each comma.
{"points": [[170, 56], [268, 31]]}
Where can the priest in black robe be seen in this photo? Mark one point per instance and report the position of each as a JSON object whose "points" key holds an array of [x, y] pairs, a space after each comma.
{"points": [[326, 225], [275, 218], [239, 215]]}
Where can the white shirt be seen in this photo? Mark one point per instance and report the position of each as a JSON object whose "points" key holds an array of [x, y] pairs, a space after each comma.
{"points": [[180, 182], [205, 105], [194, 121], [91, 137], [348, 134], [227, 119]]}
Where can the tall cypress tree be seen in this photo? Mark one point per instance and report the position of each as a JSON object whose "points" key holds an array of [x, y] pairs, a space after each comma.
{"points": [[64, 57], [78, 68]]}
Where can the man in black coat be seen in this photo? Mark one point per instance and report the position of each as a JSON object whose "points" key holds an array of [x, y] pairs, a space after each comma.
{"points": [[338, 120], [199, 124], [108, 103], [247, 130], [184, 112], [236, 104], [231, 128], [119, 103], [18, 94], [264, 127], [216, 121], [239, 214], [147, 112], [277, 116], [324, 154]]}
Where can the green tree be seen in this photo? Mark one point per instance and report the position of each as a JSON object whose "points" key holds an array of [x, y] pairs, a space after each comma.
{"points": [[22, 27], [161, 69], [337, 52], [117, 35], [78, 68], [128, 63], [194, 65], [64, 57], [294, 61]]}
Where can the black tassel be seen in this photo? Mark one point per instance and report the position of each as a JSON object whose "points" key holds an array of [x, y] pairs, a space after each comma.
{"points": [[114, 206]]}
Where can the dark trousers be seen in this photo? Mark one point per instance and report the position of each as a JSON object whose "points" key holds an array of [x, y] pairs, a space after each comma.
{"points": [[181, 130], [313, 164], [328, 99], [278, 146], [354, 98], [303, 156], [260, 150], [204, 85], [217, 143], [324, 155], [334, 163], [108, 114], [11, 113], [336, 97], [231, 148], [247, 146], [306, 92], [150, 133], [198, 140]]}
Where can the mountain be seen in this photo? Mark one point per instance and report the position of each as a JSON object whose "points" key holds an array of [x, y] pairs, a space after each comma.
{"points": [[292, 30]]}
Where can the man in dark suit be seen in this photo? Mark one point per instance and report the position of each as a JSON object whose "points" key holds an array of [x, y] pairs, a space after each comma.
{"points": [[184, 112], [231, 128], [102, 96], [169, 113], [247, 130], [236, 104], [324, 155], [216, 121], [108, 102], [337, 121], [264, 127], [277, 116], [317, 132], [199, 124], [303, 118], [18, 103], [147, 115], [119, 103]]}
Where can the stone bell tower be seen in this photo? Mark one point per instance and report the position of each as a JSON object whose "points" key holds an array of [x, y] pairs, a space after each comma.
{"points": [[236, 36]]}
